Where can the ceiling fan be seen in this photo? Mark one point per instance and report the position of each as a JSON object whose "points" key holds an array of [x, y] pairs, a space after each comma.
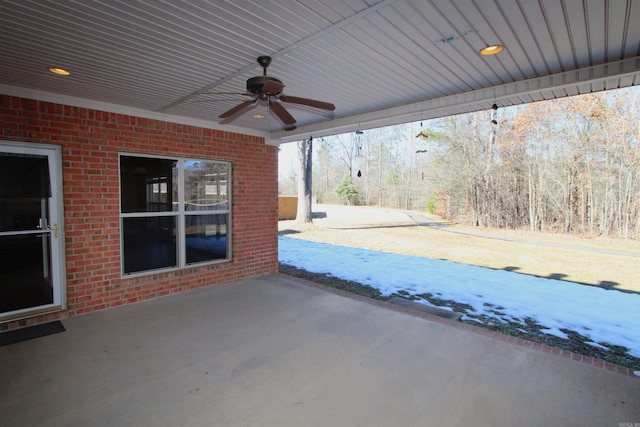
{"points": [[269, 90]]}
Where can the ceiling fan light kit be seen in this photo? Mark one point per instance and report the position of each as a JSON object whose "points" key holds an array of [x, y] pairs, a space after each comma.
{"points": [[492, 50], [59, 71], [269, 89]]}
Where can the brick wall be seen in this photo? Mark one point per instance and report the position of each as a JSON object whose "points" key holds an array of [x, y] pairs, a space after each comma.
{"points": [[91, 141]]}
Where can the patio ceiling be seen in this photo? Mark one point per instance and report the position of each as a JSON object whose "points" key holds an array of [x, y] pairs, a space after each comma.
{"points": [[380, 62]]}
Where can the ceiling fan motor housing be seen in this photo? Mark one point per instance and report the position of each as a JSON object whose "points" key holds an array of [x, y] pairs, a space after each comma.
{"points": [[264, 88], [255, 84]]}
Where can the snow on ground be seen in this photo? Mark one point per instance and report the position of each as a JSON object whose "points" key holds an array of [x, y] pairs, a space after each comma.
{"points": [[604, 316]]}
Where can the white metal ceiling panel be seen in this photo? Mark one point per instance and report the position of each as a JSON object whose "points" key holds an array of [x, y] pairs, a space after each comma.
{"points": [[378, 61]]}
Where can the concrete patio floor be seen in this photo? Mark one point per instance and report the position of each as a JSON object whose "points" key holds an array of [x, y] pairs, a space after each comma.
{"points": [[272, 351]]}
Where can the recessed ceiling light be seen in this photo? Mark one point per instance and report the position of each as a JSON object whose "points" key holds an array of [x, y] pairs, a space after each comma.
{"points": [[492, 50], [59, 71], [258, 116]]}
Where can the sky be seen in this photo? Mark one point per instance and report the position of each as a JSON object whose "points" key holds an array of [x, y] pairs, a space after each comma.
{"points": [[287, 158], [607, 317]]}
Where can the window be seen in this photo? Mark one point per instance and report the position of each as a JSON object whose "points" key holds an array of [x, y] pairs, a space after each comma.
{"points": [[173, 212]]}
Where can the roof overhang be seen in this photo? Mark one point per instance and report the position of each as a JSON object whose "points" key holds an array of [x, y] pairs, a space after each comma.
{"points": [[380, 62]]}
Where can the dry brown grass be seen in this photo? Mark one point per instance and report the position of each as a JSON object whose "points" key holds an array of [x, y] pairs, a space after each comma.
{"points": [[393, 231]]}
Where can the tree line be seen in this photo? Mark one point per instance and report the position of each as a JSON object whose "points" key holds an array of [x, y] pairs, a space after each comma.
{"points": [[566, 165]]}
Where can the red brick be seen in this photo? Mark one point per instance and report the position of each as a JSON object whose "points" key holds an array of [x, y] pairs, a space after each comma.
{"points": [[90, 141]]}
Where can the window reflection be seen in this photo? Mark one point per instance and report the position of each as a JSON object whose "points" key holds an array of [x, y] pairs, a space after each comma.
{"points": [[206, 237], [145, 184], [206, 186]]}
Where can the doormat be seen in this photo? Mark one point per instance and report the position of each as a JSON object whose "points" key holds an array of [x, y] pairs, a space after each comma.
{"points": [[30, 332]]}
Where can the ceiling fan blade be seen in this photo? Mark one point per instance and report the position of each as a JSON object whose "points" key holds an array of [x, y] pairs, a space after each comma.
{"points": [[272, 87], [308, 102], [236, 109], [282, 113]]}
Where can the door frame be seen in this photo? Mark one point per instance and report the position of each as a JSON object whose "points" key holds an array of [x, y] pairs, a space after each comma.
{"points": [[58, 258]]}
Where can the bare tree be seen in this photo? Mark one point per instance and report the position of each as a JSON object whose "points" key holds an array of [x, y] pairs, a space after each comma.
{"points": [[305, 149], [322, 185], [566, 165]]}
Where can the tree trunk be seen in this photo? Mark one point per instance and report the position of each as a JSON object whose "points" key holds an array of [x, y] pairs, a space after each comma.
{"points": [[304, 182], [533, 213]]}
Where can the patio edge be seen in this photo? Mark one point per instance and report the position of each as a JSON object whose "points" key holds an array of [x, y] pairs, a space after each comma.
{"points": [[566, 354]]}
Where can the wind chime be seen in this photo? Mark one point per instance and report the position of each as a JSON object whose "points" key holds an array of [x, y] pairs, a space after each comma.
{"points": [[422, 134], [494, 107], [358, 144], [494, 113]]}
